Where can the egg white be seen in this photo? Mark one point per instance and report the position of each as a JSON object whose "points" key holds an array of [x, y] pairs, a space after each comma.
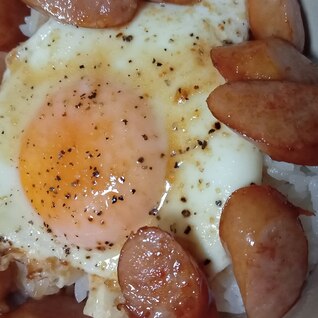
{"points": [[163, 54]]}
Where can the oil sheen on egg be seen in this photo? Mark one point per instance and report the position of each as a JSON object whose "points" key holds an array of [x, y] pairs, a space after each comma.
{"points": [[104, 131]]}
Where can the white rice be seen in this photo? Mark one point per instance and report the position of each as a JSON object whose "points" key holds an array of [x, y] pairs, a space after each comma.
{"points": [[32, 23], [300, 185], [81, 288]]}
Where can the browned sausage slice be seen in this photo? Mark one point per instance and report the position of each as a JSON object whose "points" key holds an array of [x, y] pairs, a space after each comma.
{"points": [[7, 285], [158, 278], [281, 118], [281, 18], [89, 14], [268, 247], [12, 14], [271, 59]]}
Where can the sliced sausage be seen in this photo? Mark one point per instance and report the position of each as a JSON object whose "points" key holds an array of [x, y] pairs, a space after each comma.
{"points": [[158, 278], [268, 247], [12, 14], [7, 285], [270, 59], [89, 14], [280, 18], [281, 118]]}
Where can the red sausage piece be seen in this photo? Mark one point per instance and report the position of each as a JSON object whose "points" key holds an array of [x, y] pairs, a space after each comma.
{"points": [[280, 117], [12, 14], [158, 278], [268, 247]]}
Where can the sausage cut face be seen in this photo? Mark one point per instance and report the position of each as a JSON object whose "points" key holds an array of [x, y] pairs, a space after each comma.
{"points": [[159, 278]]}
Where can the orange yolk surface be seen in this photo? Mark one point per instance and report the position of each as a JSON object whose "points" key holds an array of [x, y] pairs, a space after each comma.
{"points": [[93, 163]]}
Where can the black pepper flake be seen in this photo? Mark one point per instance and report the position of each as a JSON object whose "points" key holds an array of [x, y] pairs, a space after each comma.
{"points": [[211, 131], [206, 262], [61, 154], [90, 218], [153, 211], [128, 38], [173, 228], [133, 191], [177, 164], [140, 159], [187, 230], [67, 250], [89, 155], [145, 137], [125, 121], [203, 144], [120, 198], [217, 125], [114, 199], [159, 64], [92, 95], [81, 66], [183, 199], [95, 173], [186, 213], [52, 189], [122, 179], [218, 203]]}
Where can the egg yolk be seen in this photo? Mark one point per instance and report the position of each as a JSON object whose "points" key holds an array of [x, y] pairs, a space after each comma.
{"points": [[93, 163]]}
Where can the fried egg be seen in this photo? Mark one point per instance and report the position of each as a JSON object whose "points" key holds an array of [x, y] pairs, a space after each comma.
{"points": [[105, 131]]}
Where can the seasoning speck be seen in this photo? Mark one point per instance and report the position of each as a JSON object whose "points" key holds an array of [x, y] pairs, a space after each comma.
{"points": [[187, 230]]}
